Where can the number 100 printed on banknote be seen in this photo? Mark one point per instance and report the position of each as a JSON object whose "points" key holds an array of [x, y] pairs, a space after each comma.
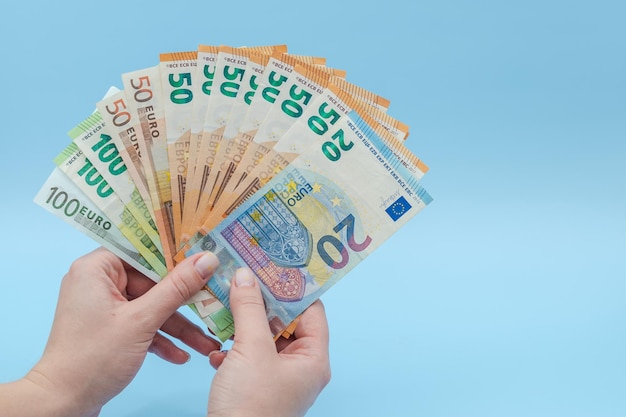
{"points": [[316, 219]]}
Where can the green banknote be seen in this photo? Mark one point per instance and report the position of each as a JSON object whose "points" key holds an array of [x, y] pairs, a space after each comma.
{"points": [[102, 153], [86, 177], [123, 127], [63, 198]]}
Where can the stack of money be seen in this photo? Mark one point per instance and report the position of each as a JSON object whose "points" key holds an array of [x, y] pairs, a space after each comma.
{"points": [[271, 160]]}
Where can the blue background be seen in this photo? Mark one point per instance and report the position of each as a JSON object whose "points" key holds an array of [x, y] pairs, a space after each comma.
{"points": [[504, 297]]}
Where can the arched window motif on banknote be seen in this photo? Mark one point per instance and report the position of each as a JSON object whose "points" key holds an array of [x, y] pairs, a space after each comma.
{"points": [[207, 244], [274, 243]]}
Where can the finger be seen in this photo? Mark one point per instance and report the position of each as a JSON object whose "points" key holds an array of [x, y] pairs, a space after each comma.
{"points": [[134, 274], [138, 285], [248, 309], [313, 323], [185, 280], [216, 358], [311, 333], [167, 350], [183, 329]]}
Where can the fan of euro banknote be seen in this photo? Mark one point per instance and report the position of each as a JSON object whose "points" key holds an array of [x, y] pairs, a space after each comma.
{"points": [[271, 160]]}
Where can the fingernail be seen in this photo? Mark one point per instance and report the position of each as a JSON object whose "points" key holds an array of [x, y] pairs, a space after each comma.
{"points": [[213, 358], [244, 277], [206, 265]]}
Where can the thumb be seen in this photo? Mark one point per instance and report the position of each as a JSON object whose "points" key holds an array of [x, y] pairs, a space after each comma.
{"points": [[183, 281], [248, 309]]}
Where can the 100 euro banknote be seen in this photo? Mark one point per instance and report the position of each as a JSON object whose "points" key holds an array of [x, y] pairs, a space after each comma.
{"points": [[63, 198], [316, 219]]}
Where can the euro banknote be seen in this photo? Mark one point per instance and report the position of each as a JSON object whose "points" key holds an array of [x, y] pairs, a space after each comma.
{"points": [[125, 132], [272, 160], [100, 150], [86, 177], [142, 89], [316, 220], [63, 198], [229, 70], [326, 110], [271, 81], [222, 109]]}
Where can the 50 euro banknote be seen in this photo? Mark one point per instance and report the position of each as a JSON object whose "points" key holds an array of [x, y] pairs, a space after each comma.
{"points": [[317, 219]]}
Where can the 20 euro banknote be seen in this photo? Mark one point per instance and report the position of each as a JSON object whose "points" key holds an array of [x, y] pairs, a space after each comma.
{"points": [[317, 219]]}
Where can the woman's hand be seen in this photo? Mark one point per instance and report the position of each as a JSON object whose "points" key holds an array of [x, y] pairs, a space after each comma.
{"points": [[260, 378], [108, 317]]}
